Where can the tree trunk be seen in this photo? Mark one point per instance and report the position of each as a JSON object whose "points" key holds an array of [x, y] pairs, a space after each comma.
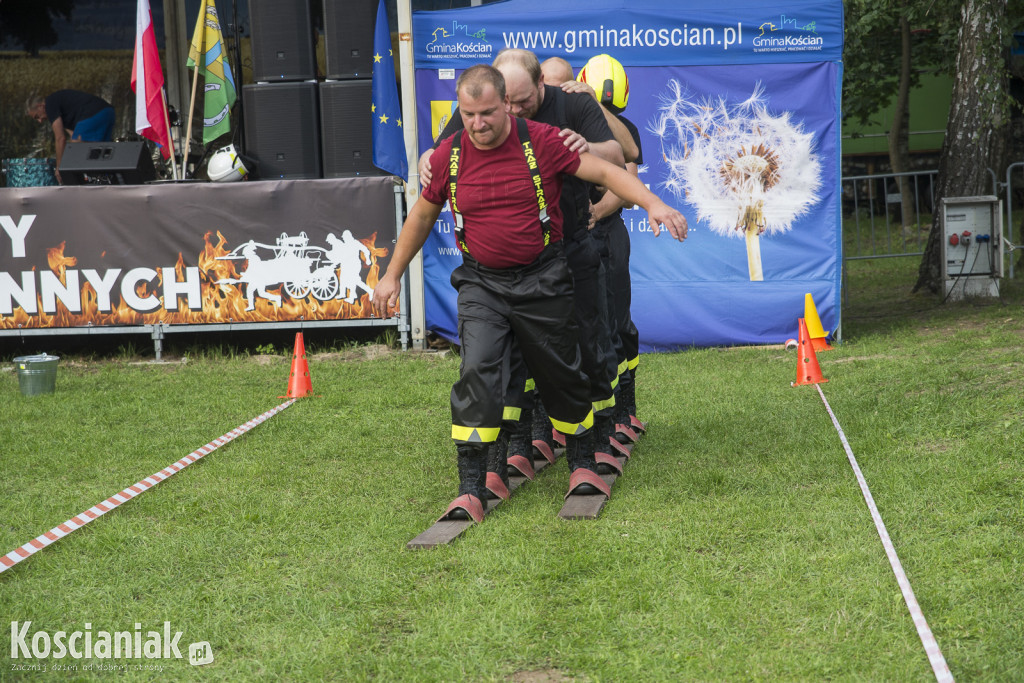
{"points": [[899, 134], [978, 116]]}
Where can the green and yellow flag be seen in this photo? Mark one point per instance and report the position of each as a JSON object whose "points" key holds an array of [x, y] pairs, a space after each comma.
{"points": [[207, 56]]}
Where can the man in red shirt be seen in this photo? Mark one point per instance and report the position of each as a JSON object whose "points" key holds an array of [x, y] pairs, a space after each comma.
{"points": [[514, 281]]}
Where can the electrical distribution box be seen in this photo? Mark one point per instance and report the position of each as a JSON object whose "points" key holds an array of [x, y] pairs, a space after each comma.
{"points": [[972, 248]]}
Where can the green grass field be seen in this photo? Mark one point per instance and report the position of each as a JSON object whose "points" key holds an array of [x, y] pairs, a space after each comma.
{"points": [[736, 547]]}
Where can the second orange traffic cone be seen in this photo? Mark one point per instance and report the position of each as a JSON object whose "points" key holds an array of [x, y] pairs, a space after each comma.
{"points": [[807, 369], [299, 383], [819, 338]]}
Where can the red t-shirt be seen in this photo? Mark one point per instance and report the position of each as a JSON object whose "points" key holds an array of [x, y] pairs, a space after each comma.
{"points": [[496, 197]]}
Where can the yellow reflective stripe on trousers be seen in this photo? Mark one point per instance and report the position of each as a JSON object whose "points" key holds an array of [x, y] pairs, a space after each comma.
{"points": [[615, 382], [624, 365], [475, 434], [530, 385], [573, 428], [601, 405], [633, 362], [512, 413]]}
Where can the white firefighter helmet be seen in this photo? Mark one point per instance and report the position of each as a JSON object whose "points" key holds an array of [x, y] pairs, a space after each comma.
{"points": [[226, 166]]}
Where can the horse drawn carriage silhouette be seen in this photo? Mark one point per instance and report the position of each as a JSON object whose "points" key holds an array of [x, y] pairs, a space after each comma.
{"points": [[300, 268]]}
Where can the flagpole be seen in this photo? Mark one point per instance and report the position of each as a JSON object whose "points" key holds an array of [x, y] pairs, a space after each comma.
{"points": [[170, 138], [191, 111]]}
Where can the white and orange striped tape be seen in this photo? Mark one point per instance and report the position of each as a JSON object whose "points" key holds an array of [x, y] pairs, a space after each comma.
{"points": [[78, 521]]}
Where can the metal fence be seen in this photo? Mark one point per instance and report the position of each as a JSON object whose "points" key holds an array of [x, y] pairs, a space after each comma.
{"points": [[873, 222]]}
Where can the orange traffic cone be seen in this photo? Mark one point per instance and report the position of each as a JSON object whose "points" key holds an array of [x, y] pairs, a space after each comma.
{"points": [[819, 338], [807, 369], [299, 384]]}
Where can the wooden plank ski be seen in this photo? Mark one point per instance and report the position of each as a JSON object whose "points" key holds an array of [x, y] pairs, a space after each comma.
{"points": [[446, 531], [589, 507]]}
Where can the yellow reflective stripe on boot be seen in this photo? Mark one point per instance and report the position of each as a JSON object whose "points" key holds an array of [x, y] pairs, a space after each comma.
{"points": [[607, 403], [633, 362], [574, 428], [512, 414], [475, 434]]}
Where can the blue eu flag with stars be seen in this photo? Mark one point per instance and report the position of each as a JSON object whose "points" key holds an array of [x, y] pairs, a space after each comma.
{"points": [[388, 134]]}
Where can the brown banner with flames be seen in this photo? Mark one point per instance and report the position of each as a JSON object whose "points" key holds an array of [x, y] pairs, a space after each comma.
{"points": [[193, 253]]}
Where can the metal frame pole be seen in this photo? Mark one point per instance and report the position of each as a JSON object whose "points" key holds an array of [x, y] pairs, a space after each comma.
{"points": [[415, 303]]}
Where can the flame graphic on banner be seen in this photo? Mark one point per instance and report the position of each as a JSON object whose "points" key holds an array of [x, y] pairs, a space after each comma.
{"points": [[221, 303]]}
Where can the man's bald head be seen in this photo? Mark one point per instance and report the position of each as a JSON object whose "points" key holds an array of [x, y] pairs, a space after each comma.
{"points": [[556, 71], [524, 59], [525, 90]]}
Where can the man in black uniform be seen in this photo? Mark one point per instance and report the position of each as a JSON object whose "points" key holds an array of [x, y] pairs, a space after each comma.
{"points": [[586, 129], [604, 79], [607, 75]]}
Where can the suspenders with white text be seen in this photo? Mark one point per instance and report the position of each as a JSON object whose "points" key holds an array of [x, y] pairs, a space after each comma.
{"points": [[531, 162]]}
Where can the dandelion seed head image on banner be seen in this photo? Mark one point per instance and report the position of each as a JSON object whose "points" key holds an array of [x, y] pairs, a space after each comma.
{"points": [[745, 170]]}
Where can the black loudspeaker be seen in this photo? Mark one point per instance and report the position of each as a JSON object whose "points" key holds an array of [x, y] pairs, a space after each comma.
{"points": [[282, 41], [348, 37], [282, 129], [345, 121], [106, 163]]}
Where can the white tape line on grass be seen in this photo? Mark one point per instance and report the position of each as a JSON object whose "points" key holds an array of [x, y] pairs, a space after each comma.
{"points": [[931, 647], [78, 521]]}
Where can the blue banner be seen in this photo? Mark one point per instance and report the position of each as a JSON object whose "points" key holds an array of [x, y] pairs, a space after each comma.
{"points": [[636, 32], [748, 150]]}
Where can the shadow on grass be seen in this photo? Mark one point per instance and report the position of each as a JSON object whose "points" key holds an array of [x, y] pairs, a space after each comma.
{"points": [[877, 299]]}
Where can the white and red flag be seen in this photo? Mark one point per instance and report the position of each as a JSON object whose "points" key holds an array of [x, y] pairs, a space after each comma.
{"points": [[148, 83]]}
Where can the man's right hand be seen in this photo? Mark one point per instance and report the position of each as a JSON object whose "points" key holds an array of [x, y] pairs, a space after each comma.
{"points": [[385, 296], [579, 86]]}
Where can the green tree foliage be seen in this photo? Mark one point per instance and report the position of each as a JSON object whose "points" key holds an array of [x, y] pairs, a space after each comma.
{"points": [[873, 45], [29, 23], [889, 44]]}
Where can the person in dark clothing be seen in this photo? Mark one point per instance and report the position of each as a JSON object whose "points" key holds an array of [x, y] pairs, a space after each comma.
{"points": [[514, 283], [606, 75], [75, 116]]}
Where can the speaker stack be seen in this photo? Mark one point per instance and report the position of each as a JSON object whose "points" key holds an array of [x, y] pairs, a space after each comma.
{"points": [[296, 127], [346, 95], [282, 125]]}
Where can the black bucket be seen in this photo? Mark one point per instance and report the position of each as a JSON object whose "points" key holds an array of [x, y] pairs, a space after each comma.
{"points": [[37, 374]]}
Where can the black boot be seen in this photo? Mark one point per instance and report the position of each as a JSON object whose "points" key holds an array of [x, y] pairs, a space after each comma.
{"points": [[520, 446], [629, 399], [472, 463], [579, 451], [604, 426], [520, 435], [541, 427], [620, 411], [497, 454], [628, 384]]}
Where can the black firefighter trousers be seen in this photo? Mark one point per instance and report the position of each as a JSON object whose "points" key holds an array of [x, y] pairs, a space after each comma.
{"points": [[531, 307]]}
